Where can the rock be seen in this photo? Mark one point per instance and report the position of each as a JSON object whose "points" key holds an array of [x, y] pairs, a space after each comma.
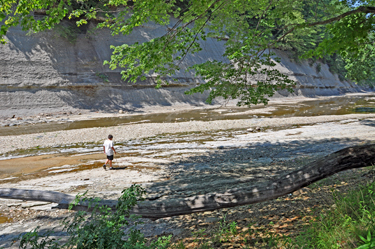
{"points": [[47, 207], [250, 129], [121, 111], [14, 204], [265, 160], [29, 204], [298, 192], [203, 224], [212, 219]]}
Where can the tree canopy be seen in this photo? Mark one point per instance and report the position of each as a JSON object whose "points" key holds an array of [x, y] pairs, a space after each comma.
{"points": [[339, 29]]}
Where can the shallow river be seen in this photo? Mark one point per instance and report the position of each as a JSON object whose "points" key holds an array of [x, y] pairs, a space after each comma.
{"points": [[331, 106], [39, 162]]}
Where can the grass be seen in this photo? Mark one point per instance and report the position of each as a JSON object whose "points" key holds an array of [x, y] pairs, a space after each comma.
{"points": [[351, 217], [343, 217]]}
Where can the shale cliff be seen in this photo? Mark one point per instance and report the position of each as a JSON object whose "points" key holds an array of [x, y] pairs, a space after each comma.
{"points": [[55, 71]]}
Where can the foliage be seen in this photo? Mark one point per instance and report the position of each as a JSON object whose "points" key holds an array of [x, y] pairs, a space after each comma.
{"points": [[69, 32], [101, 228], [369, 241], [225, 230], [33, 240], [318, 67], [14, 13], [351, 220], [103, 76], [352, 38], [249, 30]]}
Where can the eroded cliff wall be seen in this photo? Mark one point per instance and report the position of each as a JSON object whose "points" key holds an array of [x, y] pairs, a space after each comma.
{"points": [[46, 72]]}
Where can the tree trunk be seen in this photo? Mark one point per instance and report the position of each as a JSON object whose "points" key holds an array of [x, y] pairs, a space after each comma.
{"points": [[35, 195], [348, 158]]}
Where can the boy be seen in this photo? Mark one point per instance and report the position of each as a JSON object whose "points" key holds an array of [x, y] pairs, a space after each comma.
{"points": [[108, 150]]}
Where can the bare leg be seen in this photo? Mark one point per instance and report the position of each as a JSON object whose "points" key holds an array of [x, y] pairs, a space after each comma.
{"points": [[110, 163], [105, 165]]}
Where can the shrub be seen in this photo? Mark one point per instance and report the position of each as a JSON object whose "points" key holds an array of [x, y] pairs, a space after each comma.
{"points": [[101, 228]]}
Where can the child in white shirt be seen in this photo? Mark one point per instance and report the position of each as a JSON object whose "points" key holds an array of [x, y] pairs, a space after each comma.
{"points": [[108, 150]]}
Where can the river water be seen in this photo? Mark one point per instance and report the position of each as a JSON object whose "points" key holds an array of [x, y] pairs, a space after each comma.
{"points": [[331, 106]]}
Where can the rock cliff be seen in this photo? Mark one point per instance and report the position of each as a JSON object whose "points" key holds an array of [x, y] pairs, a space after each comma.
{"points": [[47, 72]]}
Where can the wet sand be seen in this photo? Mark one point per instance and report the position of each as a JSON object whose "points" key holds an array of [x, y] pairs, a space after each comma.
{"points": [[32, 164]]}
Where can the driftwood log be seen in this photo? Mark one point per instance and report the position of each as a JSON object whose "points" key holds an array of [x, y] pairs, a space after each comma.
{"points": [[348, 158]]}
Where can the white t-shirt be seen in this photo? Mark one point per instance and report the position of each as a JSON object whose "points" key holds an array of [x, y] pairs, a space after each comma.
{"points": [[108, 144]]}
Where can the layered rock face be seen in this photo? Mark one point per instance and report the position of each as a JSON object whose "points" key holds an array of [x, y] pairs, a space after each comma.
{"points": [[46, 72]]}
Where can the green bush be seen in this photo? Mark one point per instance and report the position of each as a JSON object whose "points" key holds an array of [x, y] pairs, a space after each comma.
{"points": [[101, 228]]}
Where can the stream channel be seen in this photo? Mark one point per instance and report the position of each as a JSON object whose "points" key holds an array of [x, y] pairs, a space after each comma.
{"points": [[39, 162]]}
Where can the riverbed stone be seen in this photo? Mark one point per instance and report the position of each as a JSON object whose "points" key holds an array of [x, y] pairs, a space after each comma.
{"points": [[30, 204]]}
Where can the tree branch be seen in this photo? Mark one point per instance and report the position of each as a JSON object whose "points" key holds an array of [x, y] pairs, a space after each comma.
{"points": [[361, 9], [200, 29]]}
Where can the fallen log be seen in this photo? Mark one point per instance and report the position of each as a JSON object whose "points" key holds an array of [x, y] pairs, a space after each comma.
{"points": [[35, 195], [348, 158]]}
